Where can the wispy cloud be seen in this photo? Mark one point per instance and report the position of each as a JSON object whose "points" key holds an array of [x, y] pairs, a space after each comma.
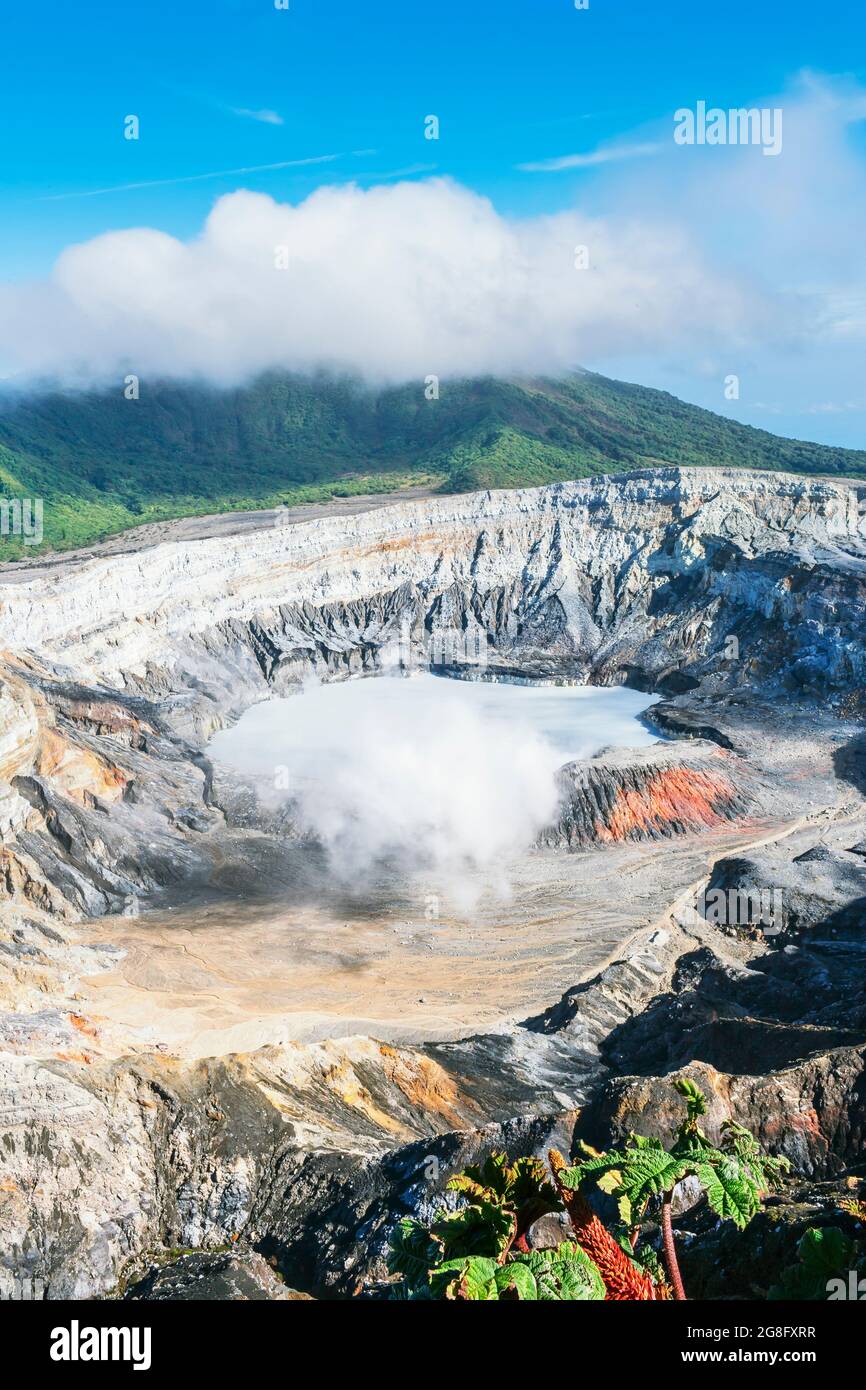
{"points": [[819, 408], [407, 171], [192, 178], [605, 154], [266, 116]]}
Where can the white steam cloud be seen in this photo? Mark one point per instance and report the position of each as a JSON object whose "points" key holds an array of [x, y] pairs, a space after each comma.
{"points": [[430, 774]]}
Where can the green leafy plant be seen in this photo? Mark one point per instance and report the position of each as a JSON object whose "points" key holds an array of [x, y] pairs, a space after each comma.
{"points": [[479, 1251], [522, 1186], [563, 1274], [734, 1175]]}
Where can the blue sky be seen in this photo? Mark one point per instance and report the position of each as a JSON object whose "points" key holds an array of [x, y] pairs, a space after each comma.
{"points": [[223, 85]]}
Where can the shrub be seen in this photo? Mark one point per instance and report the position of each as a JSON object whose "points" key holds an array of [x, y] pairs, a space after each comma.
{"points": [[480, 1252]]}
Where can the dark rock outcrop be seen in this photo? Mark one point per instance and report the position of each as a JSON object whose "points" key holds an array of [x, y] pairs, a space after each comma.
{"points": [[229, 1276], [718, 1261]]}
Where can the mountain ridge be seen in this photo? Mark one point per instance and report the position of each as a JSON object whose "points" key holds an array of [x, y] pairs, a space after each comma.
{"points": [[103, 464]]}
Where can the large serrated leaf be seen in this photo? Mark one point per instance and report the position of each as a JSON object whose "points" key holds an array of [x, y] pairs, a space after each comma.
{"points": [[825, 1253], [730, 1191], [485, 1228], [571, 1178], [564, 1274], [413, 1251], [825, 1250], [650, 1172], [472, 1279], [517, 1276]]}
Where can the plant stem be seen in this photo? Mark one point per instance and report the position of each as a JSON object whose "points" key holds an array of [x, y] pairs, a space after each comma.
{"points": [[671, 1250]]}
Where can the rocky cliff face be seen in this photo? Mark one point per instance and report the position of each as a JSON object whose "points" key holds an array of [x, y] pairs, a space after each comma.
{"points": [[651, 570], [740, 596]]}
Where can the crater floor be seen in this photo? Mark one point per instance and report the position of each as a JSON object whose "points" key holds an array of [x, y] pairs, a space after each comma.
{"points": [[237, 975]]}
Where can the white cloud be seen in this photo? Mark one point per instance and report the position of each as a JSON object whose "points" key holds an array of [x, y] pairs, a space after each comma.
{"points": [[265, 116], [193, 178], [702, 256], [393, 282], [606, 154]]}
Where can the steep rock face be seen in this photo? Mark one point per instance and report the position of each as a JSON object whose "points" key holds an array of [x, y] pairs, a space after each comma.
{"points": [[310, 1154], [658, 568], [275, 1148], [19, 733], [224, 1277], [813, 1113]]}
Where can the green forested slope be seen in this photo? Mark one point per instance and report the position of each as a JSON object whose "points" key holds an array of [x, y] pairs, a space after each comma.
{"points": [[102, 463]]}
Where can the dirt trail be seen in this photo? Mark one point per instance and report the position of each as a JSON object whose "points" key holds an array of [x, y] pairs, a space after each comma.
{"points": [[198, 528]]}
